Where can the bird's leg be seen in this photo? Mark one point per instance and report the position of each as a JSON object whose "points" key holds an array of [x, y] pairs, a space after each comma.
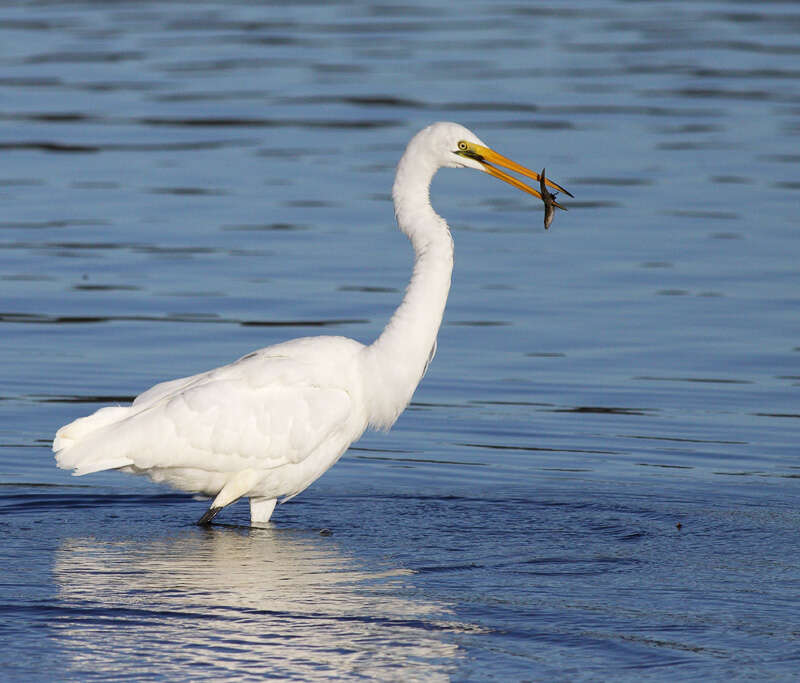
{"points": [[237, 486], [205, 520], [261, 509]]}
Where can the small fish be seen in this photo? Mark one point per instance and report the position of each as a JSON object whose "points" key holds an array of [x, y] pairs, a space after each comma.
{"points": [[549, 200]]}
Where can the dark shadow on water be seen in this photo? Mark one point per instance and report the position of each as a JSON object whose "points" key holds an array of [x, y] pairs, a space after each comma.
{"points": [[82, 399], [73, 148], [537, 449], [478, 323], [46, 225], [650, 437], [206, 122], [211, 318], [606, 410], [699, 380], [304, 323], [106, 288], [58, 501], [610, 181], [187, 191], [258, 227], [367, 289]]}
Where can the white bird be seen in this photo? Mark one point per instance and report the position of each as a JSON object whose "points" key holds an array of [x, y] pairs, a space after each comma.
{"points": [[269, 424]]}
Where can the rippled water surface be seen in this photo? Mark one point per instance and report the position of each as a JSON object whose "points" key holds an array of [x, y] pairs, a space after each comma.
{"points": [[597, 478]]}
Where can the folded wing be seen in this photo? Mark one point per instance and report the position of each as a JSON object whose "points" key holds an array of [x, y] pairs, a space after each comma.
{"points": [[261, 412]]}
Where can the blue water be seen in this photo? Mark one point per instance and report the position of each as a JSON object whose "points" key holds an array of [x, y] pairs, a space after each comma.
{"points": [[598, 478]]}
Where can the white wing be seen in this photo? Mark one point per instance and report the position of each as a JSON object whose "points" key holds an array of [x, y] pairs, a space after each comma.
{"points": [[271, 408]]}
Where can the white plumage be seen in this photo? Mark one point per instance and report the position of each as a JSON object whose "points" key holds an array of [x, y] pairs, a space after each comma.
{"points": [[267, 425]]}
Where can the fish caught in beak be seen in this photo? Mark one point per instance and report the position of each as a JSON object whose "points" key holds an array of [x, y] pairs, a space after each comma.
{"points": [[491, 160]]}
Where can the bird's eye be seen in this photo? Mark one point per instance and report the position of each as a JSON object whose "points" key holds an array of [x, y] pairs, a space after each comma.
{"points": [[463, 146]]}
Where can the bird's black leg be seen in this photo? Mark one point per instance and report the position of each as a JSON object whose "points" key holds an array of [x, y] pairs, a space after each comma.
{"points": [[205, 520]]}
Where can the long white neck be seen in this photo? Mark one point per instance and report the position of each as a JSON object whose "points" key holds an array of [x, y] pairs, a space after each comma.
{"points": [[396, 361]]}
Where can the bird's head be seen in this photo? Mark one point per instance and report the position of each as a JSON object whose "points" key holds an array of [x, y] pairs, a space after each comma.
{"points": [[458, 147]]}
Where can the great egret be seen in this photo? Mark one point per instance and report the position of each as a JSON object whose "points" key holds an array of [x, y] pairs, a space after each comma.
{"points": [[270, 423]]}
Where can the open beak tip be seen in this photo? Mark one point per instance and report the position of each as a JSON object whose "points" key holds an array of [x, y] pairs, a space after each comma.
{"points": [[564, 190]]}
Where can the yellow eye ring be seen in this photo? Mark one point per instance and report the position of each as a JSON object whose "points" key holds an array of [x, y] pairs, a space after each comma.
{"points": [[463, 146]]}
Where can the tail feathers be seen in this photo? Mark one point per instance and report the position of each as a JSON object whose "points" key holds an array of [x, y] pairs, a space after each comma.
{"points": [[74, 448]]}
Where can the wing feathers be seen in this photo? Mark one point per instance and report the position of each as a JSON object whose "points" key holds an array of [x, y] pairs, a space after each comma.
{"points": [[215, 426], [271, 408]]}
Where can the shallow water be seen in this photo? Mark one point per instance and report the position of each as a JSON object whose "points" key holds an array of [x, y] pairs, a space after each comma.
{"points": [[597, 478]]}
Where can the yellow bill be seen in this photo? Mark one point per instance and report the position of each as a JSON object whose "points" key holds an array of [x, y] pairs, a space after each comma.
{"points": [[490, 160]]}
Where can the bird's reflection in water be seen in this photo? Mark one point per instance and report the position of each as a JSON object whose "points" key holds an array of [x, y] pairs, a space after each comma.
{"points": [[236, 602]]}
